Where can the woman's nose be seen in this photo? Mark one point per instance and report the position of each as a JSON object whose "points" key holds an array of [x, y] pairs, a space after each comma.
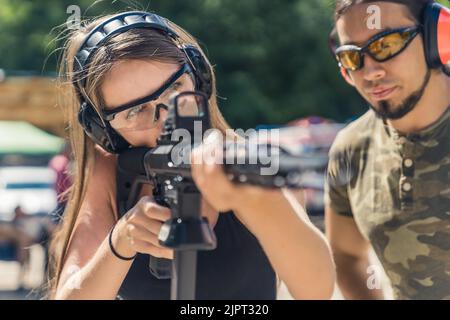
{"points": [[162, 115]]}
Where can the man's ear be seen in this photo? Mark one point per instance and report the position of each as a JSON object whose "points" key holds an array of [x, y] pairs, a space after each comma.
{"points": [[347, 77]]}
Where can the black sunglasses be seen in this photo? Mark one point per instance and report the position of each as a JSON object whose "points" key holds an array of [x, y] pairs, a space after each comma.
{"points": [[382, 47]]}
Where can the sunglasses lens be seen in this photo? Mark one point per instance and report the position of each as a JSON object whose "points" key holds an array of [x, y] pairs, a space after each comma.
{"points": [[350, 59], [388, 46]]}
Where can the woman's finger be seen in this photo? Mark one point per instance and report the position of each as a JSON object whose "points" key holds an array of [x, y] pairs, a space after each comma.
{"points": [[148, 248], [155, 211], [143, 221], [143, 233]]}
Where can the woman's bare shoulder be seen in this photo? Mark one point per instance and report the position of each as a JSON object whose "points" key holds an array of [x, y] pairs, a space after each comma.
{"points": [[105, 168], [97, 211]]}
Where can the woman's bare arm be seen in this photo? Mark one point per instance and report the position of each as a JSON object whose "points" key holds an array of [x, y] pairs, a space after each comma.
{"points": [[298, 251], [90, 270]]}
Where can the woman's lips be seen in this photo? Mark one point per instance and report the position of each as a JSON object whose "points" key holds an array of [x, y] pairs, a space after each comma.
{"points": [[382, 94]]}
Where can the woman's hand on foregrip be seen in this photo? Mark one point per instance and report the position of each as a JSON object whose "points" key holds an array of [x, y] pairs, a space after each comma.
{"points": [[139, 228], [210, 177]]}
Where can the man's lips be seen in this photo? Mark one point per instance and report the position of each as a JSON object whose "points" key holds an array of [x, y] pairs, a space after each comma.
{"points": [[381, 93]]}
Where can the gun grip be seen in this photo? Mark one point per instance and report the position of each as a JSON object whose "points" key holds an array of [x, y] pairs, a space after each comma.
{"points": [[160, 268]]}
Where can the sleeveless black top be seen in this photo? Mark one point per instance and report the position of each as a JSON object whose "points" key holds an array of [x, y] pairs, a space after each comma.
{"points": [[237, 269]]}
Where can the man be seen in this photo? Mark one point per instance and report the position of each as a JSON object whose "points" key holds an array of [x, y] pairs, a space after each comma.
{"points": [[388, 181]]}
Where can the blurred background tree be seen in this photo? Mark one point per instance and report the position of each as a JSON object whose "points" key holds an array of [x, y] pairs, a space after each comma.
{"points": [[271, 57]]}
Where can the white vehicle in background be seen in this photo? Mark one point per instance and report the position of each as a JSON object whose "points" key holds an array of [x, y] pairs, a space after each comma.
{"points": [[31, 188]]}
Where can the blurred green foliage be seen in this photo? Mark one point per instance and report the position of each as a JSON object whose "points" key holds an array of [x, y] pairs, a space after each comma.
{"points": [[271, 57]]}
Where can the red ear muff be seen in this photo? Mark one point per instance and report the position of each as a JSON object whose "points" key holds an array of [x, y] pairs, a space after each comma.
{"points": [[344, 72], [436, 35], [346, 75], [443, 35]]}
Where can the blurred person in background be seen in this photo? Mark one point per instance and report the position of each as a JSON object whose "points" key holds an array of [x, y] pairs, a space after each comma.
{"points": [[61, 164], [16, 233]]}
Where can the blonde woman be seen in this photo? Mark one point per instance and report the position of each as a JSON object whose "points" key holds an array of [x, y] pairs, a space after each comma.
{"points": [[116, 64]]}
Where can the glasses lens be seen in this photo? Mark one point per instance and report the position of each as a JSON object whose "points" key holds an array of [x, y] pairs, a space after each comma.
{"points": [[136, 118], [388, 46], [190, 105], [350, 59], [143, 116]]}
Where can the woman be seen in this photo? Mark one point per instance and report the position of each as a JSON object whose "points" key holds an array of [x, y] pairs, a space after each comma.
{"points": [[266, 228]]}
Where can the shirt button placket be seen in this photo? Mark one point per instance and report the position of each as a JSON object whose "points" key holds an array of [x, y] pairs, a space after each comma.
{"points": [[406, 182]]}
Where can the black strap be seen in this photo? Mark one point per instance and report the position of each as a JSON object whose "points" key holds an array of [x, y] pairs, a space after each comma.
{"points": [[114, 250]]}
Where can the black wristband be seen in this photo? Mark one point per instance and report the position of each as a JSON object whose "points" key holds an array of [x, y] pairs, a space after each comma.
{"points": [[114, 251]]}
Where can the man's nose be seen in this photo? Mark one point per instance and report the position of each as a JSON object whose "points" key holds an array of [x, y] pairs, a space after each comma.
{"points": [[372, 69]]}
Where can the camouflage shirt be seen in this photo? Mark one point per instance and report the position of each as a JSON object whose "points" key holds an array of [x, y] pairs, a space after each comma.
{"points": [[397, 189]]}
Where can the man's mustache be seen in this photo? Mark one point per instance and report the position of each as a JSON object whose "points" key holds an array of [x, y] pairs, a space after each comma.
{"points": [[379, 84]]}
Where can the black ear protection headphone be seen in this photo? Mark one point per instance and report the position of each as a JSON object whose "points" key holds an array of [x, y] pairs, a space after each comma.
{"points": [[436, 36], [99, 130]]}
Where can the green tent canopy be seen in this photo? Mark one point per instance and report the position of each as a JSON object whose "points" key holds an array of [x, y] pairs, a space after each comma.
{"points": [[20, 137]]}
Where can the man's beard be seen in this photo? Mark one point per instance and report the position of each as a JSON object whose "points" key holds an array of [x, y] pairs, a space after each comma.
{"points": [[386, 111]]}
